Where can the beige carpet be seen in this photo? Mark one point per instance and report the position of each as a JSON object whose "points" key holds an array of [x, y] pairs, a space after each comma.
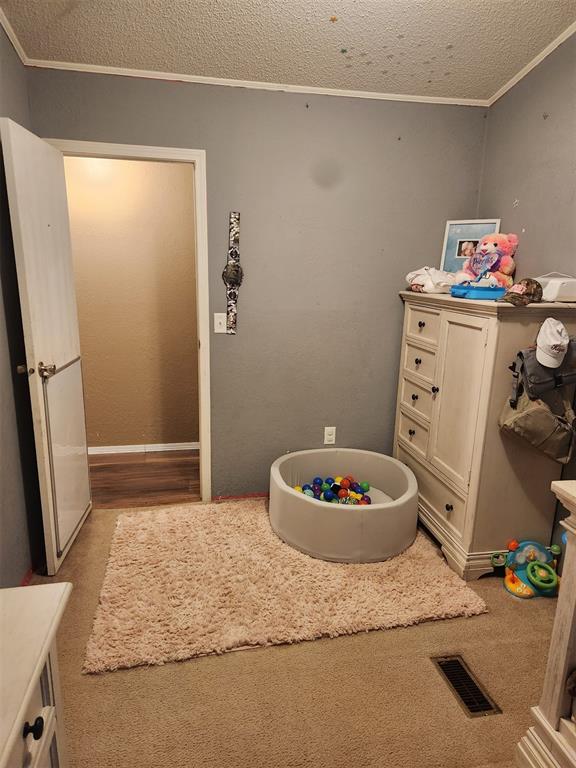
{"points": [[192, 580], [371, 699]]}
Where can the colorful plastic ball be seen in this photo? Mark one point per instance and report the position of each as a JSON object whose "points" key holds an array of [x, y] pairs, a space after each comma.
{"points": [[353, 501], [367, 499], [317, 481], [342, 493], [307, 487], [513, 545], [335, 488], [326, 486], [365, 486], [363, 503], [321, 497], [316, 488], [351, 478], [330, 480], [335, 500], [309, 492], [338, 479], [298, 488], [345, 483], [356, 488], [328, 495]]}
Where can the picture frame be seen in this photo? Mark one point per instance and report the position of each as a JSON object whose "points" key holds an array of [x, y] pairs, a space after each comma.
{"points": [[461, 239]]}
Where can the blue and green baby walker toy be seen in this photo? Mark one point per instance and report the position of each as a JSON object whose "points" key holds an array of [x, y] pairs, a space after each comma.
{"points": [[529, 568]]}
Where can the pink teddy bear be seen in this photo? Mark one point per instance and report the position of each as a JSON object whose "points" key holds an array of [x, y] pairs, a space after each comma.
{"points": [[494, 253]]}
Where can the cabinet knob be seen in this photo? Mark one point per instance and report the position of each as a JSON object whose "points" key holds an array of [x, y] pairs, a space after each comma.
{"points": [[411, 432], [449, 507], [421, 324], [435, 390], [414, 397], [36, 730], [418, 361]]}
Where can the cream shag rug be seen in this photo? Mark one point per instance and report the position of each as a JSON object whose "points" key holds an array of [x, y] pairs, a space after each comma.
{"points": [[198, 579]]}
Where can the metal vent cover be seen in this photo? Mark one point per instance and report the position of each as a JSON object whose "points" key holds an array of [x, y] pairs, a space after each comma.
{"points": [[468, 691]]}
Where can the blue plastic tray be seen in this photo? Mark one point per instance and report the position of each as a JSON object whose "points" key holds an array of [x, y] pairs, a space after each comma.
{"points": [[477, 292]]}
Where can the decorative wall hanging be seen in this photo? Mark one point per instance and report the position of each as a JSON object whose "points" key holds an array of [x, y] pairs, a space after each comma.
{"points": [[232, 274]]}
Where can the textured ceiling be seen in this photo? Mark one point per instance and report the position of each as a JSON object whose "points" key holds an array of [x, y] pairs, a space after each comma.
{"points": [[462, 49]]}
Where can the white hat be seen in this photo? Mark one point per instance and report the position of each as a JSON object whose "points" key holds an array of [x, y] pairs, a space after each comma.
{"points": [[551, 343]]}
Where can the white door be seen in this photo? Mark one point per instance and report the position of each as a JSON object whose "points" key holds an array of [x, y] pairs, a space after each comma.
{"points": [[40, 230], [456, 392]]}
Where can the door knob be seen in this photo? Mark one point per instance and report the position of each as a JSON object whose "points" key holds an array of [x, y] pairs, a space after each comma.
{"points": [[435, 390], [449, 507], [421, 324], [417, 360], [414, 397], [411, 432], [46, 370], [37, 729]]}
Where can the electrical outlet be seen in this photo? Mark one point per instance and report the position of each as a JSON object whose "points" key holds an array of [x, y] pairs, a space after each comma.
{"points": [[329, 435], [219, 322]]}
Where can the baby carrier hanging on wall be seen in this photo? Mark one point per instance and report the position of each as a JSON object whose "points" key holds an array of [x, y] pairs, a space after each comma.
{"points": [[540, 409]]}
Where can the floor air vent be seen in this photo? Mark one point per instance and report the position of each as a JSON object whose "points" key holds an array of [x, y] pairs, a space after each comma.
{"points": [[468, 691]]}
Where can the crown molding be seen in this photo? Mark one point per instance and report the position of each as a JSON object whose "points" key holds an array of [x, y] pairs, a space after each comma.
{"points": [[253, 84], [280, 87], [568, 32], [9, 29]]}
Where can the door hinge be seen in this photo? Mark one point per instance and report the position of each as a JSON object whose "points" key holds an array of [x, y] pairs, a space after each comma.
{"points": [[46, 371]]}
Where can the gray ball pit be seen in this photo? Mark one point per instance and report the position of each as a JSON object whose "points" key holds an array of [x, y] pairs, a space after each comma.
{"points": [[342, 533]]}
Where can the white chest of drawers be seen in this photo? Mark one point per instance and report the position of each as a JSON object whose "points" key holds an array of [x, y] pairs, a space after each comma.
{"points": [[477, 489], [30, 715]]}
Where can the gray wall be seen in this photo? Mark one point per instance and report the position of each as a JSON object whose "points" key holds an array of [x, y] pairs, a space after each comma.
{"points": [[531, 158], [339, 198], [14, 550]]}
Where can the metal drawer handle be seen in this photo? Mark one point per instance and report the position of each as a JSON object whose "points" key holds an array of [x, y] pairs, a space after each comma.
{"points": [[36, 730], [449, 507], [411, 432], [435, 390], [418, 361], [414, 397], [421, 324]]}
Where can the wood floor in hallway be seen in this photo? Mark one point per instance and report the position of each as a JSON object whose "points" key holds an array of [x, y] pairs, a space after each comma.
{"points": [[121, 480]]}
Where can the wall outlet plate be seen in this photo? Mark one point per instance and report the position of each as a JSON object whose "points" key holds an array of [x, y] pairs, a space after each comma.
{"points": [[219, 322], [329, 435]]}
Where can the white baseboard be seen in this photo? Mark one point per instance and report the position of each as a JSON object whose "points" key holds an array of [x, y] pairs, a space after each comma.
{"points": [[150, 448]]}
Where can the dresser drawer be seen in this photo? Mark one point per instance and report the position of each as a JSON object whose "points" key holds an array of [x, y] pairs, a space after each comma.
{"points": [[416, 396], [413, 433], [420, 361], [423, 324], [30, 752], [446, 506]]}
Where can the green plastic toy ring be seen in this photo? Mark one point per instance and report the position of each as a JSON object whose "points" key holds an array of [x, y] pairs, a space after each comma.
{"points": [[535, 576]]}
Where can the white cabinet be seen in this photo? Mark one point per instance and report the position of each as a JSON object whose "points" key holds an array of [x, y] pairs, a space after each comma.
{"points": [[31, 734], [477, 489], [551, 742]]}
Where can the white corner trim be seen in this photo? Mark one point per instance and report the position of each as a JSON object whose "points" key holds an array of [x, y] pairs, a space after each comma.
{"points": [[253, 84], [150, 448], [9, 29], [562, 37]]}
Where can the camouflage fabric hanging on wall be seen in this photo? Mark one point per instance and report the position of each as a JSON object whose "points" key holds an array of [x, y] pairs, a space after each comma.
{"points": [[232, 274]]}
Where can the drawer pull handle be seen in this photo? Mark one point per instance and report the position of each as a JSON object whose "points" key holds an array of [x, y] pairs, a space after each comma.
{"points": [[411, 432], [36, 730], [435, 390], [421, 324], [449, 507], [418, 361], [414, 397]]}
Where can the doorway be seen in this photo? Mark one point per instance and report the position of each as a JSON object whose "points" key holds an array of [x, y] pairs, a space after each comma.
{"points": [[138, 230]]}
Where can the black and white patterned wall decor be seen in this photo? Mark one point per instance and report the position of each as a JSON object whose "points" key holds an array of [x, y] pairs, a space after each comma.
{"points": [[232, 274]]}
